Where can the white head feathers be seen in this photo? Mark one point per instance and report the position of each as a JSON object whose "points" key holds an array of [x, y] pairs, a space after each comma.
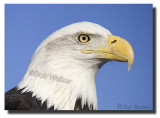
{"points": [[59, 73]]}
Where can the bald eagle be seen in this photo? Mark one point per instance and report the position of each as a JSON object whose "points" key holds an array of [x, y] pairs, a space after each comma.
{"points": [[61, 74]]}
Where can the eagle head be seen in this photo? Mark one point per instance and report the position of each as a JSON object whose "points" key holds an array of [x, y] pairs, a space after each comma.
{"points": [[63, 68]]}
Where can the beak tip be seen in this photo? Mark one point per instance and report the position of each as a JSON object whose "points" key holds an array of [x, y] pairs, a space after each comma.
{"points": [[129, 69]]}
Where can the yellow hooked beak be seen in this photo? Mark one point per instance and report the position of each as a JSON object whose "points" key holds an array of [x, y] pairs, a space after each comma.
{"points": [[117, 49]]}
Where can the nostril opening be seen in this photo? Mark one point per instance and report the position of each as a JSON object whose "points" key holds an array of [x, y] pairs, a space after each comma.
{"points": [[114, 41]]}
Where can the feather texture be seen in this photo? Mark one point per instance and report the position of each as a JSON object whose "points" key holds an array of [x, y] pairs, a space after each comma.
{"points": [[58, 57]]}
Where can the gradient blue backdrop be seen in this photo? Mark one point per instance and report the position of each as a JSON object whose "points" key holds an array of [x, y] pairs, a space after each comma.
{"points": [[26, 26]]}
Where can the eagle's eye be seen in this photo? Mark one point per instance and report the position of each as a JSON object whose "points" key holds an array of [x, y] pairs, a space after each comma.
{"points": [[83, 38]]}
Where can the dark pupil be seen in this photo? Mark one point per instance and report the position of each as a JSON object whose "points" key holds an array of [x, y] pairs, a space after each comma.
{"points": [[83, 38]]}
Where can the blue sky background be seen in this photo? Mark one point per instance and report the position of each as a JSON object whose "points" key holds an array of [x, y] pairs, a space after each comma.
{"points": [[26, 26]]}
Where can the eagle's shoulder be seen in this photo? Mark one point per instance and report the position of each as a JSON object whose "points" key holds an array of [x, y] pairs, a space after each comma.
{"points": [[15, 100]]}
